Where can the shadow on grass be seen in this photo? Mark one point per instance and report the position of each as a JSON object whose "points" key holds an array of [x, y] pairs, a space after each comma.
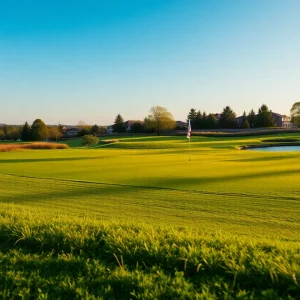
{"points": [[33, 160], [265, 158]]}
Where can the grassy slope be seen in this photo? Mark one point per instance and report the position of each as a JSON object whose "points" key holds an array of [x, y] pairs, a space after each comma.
{"points": [[150, 181]]}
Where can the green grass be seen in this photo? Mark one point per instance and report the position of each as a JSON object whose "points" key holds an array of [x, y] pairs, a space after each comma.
{"points": [[137, 219]]}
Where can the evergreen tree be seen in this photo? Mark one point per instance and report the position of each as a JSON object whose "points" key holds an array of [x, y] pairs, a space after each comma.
{"points": [[245, 124], [204, 121], [26, 132], [227, 119], [119, 126], [251, 118], [264, 117], [211, 122], [95, 130], [137, 127], [39, 130], [198, 121], [192, 116]]}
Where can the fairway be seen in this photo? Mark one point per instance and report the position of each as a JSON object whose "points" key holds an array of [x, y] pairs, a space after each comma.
{"points": [[149, 183], [227, 189]]}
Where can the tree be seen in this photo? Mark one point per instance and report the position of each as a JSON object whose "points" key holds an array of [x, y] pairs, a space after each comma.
{"points": [[211, 122], [264, 117], [61, 129], [227, 119], [251, 118], [26, 132], [192, 116], [85, 128], [54, 133], [119, 126], [12, 132], [197, 123], [95, 130], [90, 140], [245, 123], [2, 135], [204, 121], [160, 119], [295, 113], [137, 127], [39, 130]]}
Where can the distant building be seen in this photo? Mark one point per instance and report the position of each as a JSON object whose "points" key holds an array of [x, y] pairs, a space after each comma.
{"points": [[239, 121], [181, 124], [281, 121], [217, 116], [71, 132], [128, 124], [109, 129]]}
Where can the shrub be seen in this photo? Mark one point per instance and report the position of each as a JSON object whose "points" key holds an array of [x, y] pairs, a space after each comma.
{"points": [[32, 146], [89, 140]]}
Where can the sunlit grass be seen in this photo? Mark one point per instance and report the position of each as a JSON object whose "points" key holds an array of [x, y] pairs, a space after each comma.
{"points": [[138, 219]]}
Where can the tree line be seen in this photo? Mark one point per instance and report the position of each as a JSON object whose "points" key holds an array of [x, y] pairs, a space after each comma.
{"points": [[39, 131], [36, 132], [228, 119], [158, 120]]}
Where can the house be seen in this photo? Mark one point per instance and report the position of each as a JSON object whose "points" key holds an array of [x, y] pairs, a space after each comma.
{"points": [[109, 129], [217, 116], [239, 120], [71, 132], [282, 121], [128, 124], [181, 124]]}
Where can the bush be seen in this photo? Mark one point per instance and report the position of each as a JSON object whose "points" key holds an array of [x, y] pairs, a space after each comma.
{"points": [[32, 146], [90, 140]]}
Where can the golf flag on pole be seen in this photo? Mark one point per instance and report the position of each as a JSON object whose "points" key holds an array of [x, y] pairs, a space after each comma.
{"points": [[189, 130]]}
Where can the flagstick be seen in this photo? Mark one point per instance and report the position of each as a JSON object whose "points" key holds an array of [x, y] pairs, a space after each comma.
{"points": [[189, 137], [190, 149]]}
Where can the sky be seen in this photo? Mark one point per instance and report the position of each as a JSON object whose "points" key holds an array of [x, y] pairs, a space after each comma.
{"points": [[66, 61]]}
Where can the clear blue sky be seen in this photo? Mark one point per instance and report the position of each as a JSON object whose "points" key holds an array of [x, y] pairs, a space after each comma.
{"points": [[65, 61]]}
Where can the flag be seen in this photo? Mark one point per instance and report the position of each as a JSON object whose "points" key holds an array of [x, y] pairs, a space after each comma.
{"points": [[189, 130]]}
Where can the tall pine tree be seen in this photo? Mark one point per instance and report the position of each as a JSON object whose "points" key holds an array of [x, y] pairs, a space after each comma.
{"points": [[244, 124], [227, 119], [192, 116], [26, 132], [264, 117], [119, 126], [251, 118]]}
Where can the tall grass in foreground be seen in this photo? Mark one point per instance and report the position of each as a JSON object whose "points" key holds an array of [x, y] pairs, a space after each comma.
{"points": [[32, 146], [57, 257]]}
